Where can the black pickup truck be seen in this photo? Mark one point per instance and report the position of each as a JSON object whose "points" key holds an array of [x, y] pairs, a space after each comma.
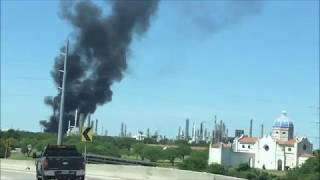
{"points": [[60, 162]]}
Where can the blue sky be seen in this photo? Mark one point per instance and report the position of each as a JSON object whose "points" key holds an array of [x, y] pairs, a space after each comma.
{"points": [[197, 60]]}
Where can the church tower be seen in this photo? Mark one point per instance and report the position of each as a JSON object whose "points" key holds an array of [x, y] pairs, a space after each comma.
{"points": [[282, 128]]}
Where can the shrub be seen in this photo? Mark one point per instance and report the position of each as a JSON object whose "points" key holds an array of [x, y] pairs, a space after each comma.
{"points": [[216, 169], [196, 162], [153, 153], [243, 167], [183, 150], [170, 154]]}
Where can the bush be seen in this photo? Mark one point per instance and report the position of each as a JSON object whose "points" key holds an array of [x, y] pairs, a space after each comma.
{"points": [[153, 153], [216, 169], [138, 150], [196, 162], [243, 167], [183, 150], [170, 154]]}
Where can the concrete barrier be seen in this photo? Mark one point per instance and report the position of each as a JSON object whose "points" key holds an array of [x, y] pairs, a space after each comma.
{"points": [[127, 172]]}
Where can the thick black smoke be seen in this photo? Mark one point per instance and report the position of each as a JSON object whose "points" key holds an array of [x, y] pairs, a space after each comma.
{"points": [[98, 53]]}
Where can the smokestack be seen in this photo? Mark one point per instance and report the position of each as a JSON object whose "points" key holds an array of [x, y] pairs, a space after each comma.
{"points": [[148, 133], [187, 129], [215, 129], [250, 130], [227, 133], [125, 130], [81, 121], [96, 131], [220, 131], [89, 120], [75, 118], [122, 129], [261, 130]]}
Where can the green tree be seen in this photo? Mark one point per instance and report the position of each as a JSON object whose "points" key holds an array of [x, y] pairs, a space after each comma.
{"points": [[197, 161], [138, 150], [153, 153], [150, 141], [183, 150], [125, 143], [170, 154]]}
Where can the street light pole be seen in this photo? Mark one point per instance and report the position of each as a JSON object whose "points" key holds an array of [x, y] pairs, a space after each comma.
{"points": [[60, 127]]}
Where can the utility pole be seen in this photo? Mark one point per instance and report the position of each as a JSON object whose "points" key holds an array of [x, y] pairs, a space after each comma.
{"points": [[60, 133], [317, 138]]}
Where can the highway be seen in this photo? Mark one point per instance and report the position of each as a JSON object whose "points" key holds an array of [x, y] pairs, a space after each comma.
{"points": [[10, 174], [25, 170]]}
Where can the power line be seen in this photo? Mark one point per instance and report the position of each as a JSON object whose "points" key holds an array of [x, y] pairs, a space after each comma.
{"points": [[26, 78]]}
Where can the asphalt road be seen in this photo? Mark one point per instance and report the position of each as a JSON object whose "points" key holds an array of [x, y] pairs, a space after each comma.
{"points": [[9, 174]]}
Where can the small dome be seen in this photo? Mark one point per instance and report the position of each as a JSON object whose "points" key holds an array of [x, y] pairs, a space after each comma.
{"points": [[283, 121]]}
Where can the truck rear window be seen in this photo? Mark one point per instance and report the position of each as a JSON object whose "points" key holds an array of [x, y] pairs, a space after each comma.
{"points": [[61, 152]]}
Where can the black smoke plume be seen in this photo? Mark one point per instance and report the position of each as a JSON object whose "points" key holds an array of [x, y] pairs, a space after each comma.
{"points": [[98, 54]]}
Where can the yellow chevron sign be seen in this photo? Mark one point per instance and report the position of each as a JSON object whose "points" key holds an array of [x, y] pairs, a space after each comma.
{"points": [[86, 134]]}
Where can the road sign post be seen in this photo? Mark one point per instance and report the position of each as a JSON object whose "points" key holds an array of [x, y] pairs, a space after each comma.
{"points": [[86, 136]]}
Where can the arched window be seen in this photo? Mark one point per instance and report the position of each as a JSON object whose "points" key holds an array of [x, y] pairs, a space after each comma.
{"points": [[304, 147]]}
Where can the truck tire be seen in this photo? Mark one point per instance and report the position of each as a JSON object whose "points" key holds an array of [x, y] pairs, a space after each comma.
{"points": [[79, 178], [37, 175]]}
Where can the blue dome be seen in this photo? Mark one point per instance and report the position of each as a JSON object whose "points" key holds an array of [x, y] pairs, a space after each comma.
{"points": [[283, 121]]}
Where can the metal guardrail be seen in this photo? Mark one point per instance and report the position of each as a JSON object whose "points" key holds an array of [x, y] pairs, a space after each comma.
{"points": [[99, 159]]}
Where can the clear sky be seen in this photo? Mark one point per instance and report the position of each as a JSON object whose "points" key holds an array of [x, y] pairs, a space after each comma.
{"points": [[197, 60]]}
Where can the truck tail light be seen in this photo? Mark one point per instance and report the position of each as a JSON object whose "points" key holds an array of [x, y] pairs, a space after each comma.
{"points": [[45, 164], [83, 164]]}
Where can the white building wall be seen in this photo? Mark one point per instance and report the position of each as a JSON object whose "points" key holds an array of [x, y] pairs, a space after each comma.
{"points": [[290, 160], [214, 155], [266, 158], [226, 157], [280, 157], [245, 148], [301, 160]]}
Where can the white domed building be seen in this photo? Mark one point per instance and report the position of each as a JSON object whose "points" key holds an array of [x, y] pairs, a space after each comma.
{"points": [[278, 151]]}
